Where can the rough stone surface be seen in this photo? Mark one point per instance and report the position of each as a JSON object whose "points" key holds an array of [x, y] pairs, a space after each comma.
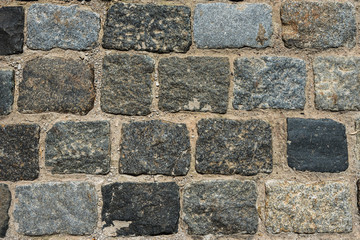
{"points": [[126, 84], [358, 195], [68, 27], [155, 147], [221, 25], [233, 147], [56, 85], [269, 82], [7, 85], [5, 200], [194, 84], [316, 207], [220, 207], [56, 208], [11, 30], [78, 147], [317, 145], [337, 83], [138, 209], [19, 152], [318, 24], [154, 28]]}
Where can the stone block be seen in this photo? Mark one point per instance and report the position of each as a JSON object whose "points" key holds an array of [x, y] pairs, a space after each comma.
{"points": [[11, 30], [7, 85]]}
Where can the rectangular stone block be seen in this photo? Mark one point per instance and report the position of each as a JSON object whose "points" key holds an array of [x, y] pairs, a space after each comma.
{"points": [[194, 84], [227, 146], [7, 84], [315, 207], [221, 25], [5, 200], [11, 30], [148, 27], [269, 82]]}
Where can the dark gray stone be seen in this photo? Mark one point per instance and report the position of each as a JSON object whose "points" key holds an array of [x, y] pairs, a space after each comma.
{"points": [[155, 147], [126, 84], [220, 207], [154, 28], [78, 147], [194, 84], [56, 208], [11, 30], [7, 85], [5, 200], [19, 152], [358, 195], [269, 82], [317, 145], [227, 146], [56, 85], [140, 209]]}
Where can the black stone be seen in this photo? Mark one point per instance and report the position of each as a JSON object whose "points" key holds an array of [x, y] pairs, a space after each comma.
{"points": [[5, 200], [6, 91], [11, 30]]}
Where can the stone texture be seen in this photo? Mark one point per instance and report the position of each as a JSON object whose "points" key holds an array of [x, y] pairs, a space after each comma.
{"points": [[7, 85], [149, 27], [221, 25], [337, 83], [5, 200], [194, 84], [127, 84], [138, 209], [68, 27], [227, 146], [220, 207], [318, 25], [56, 208], [11, 30], [317, 145], [155, 147], [358, 195], [269, 82], [315, 207], [56, 85], [78, 147], [19, 152]]}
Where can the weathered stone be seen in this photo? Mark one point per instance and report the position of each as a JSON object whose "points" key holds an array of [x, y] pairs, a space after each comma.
{"points": [[56, 85], [316, 207], [7, 85], [138, 209], [221, 25], [317, 145], [19, 152], [78, 147], [358, 195], [337, 83], [269, 82], [126, 84], [5, 200], [318, 25], [227, 146], [68, 27], [11, 30], [155, 147], [154, 28], [194, 84], [220, 207]]}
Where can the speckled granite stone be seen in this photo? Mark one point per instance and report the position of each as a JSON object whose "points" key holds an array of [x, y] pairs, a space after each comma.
{"points": [[11, 30], [5, 200], [7, 85]]}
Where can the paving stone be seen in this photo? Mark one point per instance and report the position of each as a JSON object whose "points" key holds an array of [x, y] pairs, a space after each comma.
{"points": [[220, 207], [68, 27], [194, 84], [221, 25], [140, 209], [19, 152], [315, 207], [337, 83], [318, 25], [149, 27], [7, 85], [227, 146], [317, 145], [269, 82], [78, 147], [56, 208], [11, 30], [5, 200], [56, 85], [127, 84], [155, 147]]}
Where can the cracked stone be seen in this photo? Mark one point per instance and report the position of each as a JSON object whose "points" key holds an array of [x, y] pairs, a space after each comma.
{"points": [[11, 30], [7, 84]]}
